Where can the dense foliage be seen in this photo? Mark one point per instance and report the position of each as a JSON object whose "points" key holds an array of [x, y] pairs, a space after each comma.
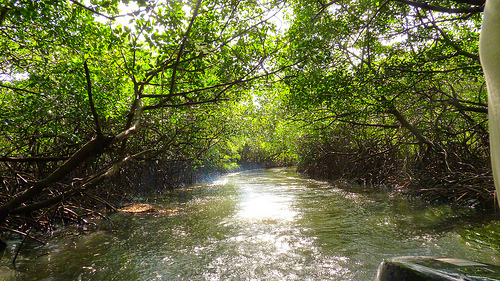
{"points": [[104, 99], [395, 95], [89, 92]]}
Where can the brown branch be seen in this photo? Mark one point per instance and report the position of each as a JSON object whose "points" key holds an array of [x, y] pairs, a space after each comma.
{"points": [[18, 89], [475, 109], [437, 71], [456, 103], [22, 233], [425, 6], [91, 100], [227, 86], [363, 158], [92, 182], [66, 195], [4, 10], [160, 105], [370, 125], [323, 8], [471, 2], [3, 14], [92, 10], [404, 122], [31, 159], [93, 147], [204, 89], [106, 16], [455, 46], [181, 49]]}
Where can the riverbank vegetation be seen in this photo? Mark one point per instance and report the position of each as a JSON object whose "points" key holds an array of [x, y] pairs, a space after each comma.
{"points": [[395, 96], [102, 100]]}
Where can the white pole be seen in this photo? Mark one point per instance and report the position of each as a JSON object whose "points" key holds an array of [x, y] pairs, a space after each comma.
{"points": [[489, 51]]}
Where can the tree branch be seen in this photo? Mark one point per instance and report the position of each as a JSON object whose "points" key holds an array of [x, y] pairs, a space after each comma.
{"points": [[90, 183], [91, 10], [471, 2], [370, 125], [59, 198], [181, 49], [23, 234], [91, 148], [454, 45], [425, 6], [404, 122], [324, 7], [204, 89], [32, 159], [91, 101], [18, 89], [3, 14], [157, 106]]}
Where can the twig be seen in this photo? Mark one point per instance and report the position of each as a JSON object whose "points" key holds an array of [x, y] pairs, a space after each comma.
{"points": [[102, 201]]}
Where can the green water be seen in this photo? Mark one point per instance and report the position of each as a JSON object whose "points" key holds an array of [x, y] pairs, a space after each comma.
{"points": [[258, 225]]}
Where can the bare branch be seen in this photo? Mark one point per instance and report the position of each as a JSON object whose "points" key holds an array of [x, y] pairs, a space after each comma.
{"points": [[101, 14], [91, 10], [91, 101], [183, 104], [18, 89], [23, 234], [32, 159], [370, 124], [425, 6], [90, 183], [405, 123], [91, 148]]}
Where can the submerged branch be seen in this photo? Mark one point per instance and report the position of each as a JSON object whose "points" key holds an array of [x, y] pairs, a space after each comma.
{"points": [[23, 234]]}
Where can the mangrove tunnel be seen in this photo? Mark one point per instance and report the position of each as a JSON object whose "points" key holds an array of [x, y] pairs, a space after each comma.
{"points": [[245, 139]]}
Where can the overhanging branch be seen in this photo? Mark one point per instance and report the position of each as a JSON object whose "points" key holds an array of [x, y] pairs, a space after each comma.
{"points": [[426, 6], [18, 89], [157, 106]]}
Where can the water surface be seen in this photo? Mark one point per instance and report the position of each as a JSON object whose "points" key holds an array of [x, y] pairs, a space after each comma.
{"points": [[259, 225]]}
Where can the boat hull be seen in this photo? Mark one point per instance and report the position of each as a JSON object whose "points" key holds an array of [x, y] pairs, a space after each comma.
{"points": [[435, 269]]}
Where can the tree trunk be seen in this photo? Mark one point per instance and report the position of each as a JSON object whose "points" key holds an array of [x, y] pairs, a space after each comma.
{"points": [[91, 148]]}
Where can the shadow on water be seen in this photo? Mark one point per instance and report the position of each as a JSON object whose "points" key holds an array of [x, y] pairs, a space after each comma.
{"points": [[259, 225]]}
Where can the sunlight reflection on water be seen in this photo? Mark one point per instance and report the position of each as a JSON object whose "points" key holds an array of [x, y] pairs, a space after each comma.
{"points": [[220, 181], [256, 225], [267, 206]]}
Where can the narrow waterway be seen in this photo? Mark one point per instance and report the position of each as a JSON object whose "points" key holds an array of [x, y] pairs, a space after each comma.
{"points": [[259, 225]]}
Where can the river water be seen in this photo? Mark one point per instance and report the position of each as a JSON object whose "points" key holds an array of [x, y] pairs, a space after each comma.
{"points": [[258, 225]]}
